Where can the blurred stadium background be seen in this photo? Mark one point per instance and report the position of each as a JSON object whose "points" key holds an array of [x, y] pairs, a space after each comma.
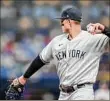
{"points": [[26, 28]]}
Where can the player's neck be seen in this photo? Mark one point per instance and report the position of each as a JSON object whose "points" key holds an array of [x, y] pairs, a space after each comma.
{"points": [[74, 32]]}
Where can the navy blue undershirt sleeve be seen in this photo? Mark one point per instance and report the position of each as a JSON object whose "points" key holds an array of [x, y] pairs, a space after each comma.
{"points": [[36, 64]]}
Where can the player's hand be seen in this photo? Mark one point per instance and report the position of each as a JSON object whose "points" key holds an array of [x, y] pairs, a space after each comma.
{"points": [[15, 89], [95, 28]]}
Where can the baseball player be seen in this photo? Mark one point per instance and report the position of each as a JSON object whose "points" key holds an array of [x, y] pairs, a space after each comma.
{"points": [[76, 54]]}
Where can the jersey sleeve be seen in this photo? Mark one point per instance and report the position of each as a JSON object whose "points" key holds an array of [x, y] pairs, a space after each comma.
{"points": [[103, 43], [46, 54]]}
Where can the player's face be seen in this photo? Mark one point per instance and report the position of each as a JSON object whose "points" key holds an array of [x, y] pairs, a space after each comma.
{"points": [[65, 26]]}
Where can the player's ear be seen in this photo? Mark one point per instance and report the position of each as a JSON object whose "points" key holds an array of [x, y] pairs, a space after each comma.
{"points": [[75, 22]]}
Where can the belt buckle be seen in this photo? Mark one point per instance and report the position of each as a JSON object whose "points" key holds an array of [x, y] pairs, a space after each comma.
{"points": [[63, 88]]}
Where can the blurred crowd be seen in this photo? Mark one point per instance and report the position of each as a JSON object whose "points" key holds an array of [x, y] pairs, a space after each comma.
{"points": [[27, 26]]}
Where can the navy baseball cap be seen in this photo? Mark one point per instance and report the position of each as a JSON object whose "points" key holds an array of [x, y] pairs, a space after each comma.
{"points": [[72, 13]]}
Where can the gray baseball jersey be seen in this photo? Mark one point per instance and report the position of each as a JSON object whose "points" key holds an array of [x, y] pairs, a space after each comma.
{"points": [[77, 60]]}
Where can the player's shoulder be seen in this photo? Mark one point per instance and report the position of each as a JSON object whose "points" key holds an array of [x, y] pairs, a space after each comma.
{"points": [[86, 33], [95, 36], [101, 36], [59, 37]]}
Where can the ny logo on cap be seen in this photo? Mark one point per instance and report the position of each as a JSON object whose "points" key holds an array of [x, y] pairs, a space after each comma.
{"points": [[67, 16]]}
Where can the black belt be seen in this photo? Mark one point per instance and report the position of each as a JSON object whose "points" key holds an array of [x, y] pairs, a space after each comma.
{"points": [[69, 89]]}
